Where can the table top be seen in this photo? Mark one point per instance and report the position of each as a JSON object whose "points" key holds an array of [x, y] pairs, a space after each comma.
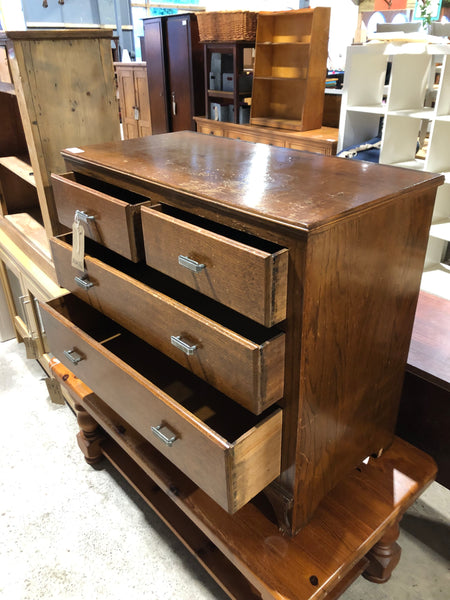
{"points": [[302, 190], [429, 353]]}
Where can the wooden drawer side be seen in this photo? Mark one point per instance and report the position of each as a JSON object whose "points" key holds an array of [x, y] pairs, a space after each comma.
{"points": [[254, 460], [116, 223]]}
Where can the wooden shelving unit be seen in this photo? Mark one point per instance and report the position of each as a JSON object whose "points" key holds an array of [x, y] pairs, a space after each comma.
{"points": [[57, 90], [235, 50], [290, 69]]}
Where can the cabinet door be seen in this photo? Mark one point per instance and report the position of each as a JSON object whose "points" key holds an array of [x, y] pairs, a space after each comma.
{"points": [[154, 57], [142, 101], [125, 80], [180, 73]]}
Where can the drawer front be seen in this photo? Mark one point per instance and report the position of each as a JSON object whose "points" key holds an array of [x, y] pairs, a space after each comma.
{"points": [[230, 472], [212, 129], [203, 346], [109, 221], [251, 281]]}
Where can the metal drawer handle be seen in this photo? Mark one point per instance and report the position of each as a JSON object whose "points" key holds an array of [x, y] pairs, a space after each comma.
{"points": [[186, 348], [163, 433], [73, 356], [190, 264], [83, 282], [80, 215]]}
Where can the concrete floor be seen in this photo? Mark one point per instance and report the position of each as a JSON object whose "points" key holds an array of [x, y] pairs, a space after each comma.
{"points": [[68, 531]]}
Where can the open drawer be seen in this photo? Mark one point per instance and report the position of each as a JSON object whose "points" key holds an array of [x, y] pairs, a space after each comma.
{"points": [[228, 452], [239, 357], [239, 270], [109, 215]]}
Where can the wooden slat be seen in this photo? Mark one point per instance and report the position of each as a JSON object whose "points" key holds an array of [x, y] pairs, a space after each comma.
{"points": [[19, 168]]}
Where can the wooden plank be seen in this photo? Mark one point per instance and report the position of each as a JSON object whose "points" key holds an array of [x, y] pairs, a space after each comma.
{"points": [[30, 237], [61, 34], [39, 283], [19, 167]]}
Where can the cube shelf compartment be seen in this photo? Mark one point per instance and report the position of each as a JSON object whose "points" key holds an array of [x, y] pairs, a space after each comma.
{"points": [[402, 92]]}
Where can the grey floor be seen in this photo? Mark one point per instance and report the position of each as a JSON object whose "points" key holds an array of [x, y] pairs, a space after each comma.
{"points": [[68, 531]]}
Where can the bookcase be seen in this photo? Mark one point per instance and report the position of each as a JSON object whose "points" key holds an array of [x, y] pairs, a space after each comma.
{"points": [[57, 90], [232, 97], [401, 92], [290, 68]]}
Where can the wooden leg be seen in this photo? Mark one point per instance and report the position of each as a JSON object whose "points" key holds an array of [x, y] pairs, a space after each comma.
{"points": [[384, 556], [281, 503], [89, 437]]}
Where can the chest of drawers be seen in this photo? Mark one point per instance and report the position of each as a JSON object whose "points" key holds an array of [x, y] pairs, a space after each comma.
{"points": [[261, 342]]}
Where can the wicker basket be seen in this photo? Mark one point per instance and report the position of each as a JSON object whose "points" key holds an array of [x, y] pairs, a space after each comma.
{"points": [[227, 26]]}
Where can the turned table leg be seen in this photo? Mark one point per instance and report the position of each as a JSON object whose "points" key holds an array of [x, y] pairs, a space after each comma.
{"points": [[384, 556], [89, 437]]}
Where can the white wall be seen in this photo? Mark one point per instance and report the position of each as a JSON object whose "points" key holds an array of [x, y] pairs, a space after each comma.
{"points": [[256, 5], [343, 22], [12, 15]]}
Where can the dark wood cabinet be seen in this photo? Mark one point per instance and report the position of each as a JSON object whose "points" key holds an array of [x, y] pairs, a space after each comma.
{"points": [[174, 59]]}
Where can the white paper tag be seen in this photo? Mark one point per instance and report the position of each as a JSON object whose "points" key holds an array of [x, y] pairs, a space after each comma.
{"points": [[77, 245], [74, 150]]}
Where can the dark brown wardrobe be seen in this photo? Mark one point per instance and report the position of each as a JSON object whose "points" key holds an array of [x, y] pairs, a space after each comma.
{"points": [[174, 58]]}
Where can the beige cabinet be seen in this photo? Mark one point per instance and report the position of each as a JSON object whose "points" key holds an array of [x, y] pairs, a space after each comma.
{"points": [[134, 99]]}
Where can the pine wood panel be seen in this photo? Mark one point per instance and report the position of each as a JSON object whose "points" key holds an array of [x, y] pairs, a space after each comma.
{"points": [[64, 82]]}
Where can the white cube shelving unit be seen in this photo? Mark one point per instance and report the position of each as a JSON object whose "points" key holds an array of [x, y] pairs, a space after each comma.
{"points": [[412, 108]]}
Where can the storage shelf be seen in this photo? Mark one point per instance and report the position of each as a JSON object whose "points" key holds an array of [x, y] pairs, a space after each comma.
{"points": [[417, 164], [422, 113], [444, 118], [19, 167], [436, 280], [272, 78], [283, 43], [222, 94], [377, 109], [441, 230]]}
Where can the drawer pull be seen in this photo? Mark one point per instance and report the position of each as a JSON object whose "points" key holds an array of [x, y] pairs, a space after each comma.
{"points": [[186, 348], [190, 264], [80, 215], [83, 282], [73, 356], [163, 433]]}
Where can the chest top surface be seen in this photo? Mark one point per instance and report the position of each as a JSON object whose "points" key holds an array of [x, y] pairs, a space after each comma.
{"points": [[298, 189]]}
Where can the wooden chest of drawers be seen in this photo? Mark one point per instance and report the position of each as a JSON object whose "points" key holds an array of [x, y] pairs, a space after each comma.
{"points": [[263, 344]]}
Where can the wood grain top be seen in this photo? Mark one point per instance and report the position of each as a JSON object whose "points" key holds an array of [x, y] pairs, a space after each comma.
{"points": [[429, 353], [299, 189], [55, 34]]}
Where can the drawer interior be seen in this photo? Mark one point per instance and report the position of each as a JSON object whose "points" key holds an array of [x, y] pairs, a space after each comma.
{"points": [[107, 188], [181, 293], [216, 410], [228, 232]]}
